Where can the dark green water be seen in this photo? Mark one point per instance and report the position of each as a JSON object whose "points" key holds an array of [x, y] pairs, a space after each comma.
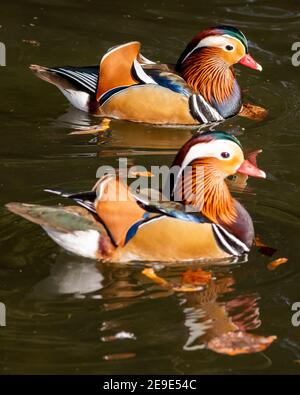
{"points": [[68, 315]]}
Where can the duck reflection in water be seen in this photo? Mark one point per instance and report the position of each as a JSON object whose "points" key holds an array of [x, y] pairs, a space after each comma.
{"points": [[208, 313], [207, 317]]}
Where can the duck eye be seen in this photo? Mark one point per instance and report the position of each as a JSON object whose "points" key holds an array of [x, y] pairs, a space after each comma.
{"points": [[225, 155], [229, 47]]}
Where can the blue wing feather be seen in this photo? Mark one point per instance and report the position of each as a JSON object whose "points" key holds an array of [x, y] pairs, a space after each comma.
{"points": [[170, 80]]}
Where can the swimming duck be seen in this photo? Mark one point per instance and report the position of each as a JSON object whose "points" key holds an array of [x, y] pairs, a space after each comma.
{"points": [[201, 88], [200, 221]]}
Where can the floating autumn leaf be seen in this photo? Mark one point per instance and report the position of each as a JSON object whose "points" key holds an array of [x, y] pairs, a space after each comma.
{"points": [[253, 112], [94, 129], [264, 248], [274, 264], [198, 276], [235, 343], [258, 242], [150, 273]]}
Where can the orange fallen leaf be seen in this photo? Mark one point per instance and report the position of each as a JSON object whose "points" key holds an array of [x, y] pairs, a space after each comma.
{"points": [[198, 276], [235, 343], [94, 129], [150, 273], [274, 264], [258, 242]]}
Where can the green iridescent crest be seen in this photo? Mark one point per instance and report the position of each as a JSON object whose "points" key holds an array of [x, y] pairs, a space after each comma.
{"points": [[235, 33], [221, 135]]}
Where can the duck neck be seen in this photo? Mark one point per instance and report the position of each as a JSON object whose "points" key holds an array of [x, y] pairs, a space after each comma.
{"points": [[203, 187], [208, 74]]}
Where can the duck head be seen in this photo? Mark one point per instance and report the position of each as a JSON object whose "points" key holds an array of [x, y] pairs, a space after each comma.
{"points": [[204, 162], [206, 65], [227, 43]]}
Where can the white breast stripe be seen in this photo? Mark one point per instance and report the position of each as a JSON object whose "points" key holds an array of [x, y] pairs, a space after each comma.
{"points": [[224, 242], [234, 239], [196, 108], [214, 113]]}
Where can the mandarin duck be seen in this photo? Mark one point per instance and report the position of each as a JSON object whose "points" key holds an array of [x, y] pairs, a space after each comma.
{"points": [[201, 88], [200, 221]]}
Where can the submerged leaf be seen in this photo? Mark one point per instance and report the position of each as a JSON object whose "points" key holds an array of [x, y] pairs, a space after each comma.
{"points": [[235, 343], [150, 273], [198, 276]]}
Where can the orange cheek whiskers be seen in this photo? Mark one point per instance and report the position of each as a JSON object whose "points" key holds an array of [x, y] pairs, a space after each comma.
{"points": [[209, 75], [210, 194]]}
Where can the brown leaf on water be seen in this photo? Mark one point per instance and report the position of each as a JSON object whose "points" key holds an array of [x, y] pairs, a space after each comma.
{"points": [[236, 343], [252, 111], [274, 264], [198, 277], [264, 248]]}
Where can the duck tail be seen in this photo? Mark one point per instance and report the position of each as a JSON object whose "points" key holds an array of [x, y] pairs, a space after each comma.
{"points": [[78, 84], [72, 227], [44, 73]]}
